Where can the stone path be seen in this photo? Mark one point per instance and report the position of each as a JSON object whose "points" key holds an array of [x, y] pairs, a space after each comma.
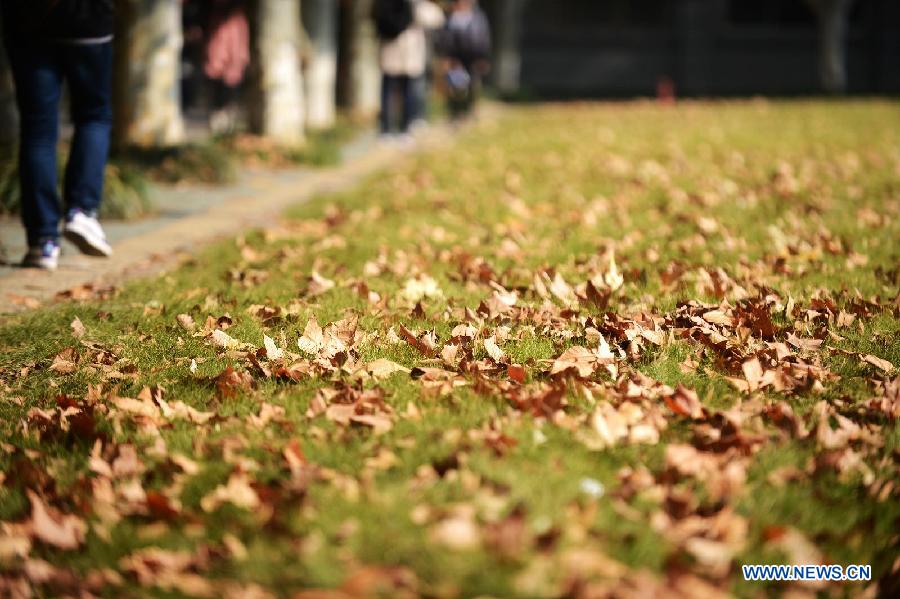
{"points": [[190, 216]]}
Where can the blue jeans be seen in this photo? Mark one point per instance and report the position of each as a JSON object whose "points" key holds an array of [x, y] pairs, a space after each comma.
{"points": [[409, 90], [39, 70]]}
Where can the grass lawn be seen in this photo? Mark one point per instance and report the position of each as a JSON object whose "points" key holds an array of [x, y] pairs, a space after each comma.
{"points": [[587, 351]]}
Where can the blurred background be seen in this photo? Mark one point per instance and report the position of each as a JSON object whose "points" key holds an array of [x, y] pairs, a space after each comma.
{"points": [[200, 82], [600, 48]]}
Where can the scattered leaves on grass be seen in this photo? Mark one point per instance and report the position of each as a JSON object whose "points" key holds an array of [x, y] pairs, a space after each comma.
{"points": [[639, 349]]}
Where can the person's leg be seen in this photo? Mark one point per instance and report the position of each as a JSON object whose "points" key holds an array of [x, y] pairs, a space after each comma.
{"points": [[410, 102], [38, 80], [89, 73], [387, 95], [474, 91], [418, 99]]}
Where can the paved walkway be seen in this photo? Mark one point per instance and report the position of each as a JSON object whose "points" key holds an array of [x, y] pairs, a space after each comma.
{"points": [[188, 217]]}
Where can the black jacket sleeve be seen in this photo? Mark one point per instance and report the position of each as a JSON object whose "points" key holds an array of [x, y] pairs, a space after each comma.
{"points": [[25, 20]]}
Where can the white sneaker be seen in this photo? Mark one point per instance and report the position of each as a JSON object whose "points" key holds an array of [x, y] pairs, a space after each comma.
{"points": [[45, 255], [85, 232]]}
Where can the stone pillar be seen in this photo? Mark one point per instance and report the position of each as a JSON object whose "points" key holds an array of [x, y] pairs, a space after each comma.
{"points": [[508, 51], [277, 109], [321, 20], [365, 73], [148, 73]]}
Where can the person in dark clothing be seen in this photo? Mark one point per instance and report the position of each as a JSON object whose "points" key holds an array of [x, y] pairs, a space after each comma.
{"points": [[465, 44], [50, 42], [227, 57], [403, 26]]}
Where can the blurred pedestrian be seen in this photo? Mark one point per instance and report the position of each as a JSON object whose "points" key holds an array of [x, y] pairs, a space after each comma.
{"points": [[227, 58], [50, 42], [401, 27], [465, 44]]}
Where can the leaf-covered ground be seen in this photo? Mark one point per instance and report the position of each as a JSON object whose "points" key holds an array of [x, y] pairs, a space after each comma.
{"points": [[587, 351]]}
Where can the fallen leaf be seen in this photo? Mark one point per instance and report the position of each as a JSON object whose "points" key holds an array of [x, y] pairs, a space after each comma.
{"points": [[273, 352], [613, 278], [753, 372], [186, 322], [578, 359], [804, 344], [318, 284], [65, 362], [237, 492], [49, 526], [878, 363], [421, 344], [419, 288], [493, 350], [313, 339], [517, 373], [383, 368], [229, 382], [459, 533], [222, 339], [78, 330], [685, 402]]}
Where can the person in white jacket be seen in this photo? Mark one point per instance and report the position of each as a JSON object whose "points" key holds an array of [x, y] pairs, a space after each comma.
{"points": [[403, 64]]}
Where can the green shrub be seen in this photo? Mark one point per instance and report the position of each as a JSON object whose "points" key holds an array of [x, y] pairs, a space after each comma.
{"points": [[191, 163], [126, 193]]}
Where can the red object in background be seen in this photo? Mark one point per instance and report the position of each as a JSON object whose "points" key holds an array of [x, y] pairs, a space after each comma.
{"points": [[228, 48], [665, 91]]}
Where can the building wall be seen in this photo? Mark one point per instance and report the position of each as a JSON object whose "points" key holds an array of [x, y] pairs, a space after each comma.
{"points": [[708, 47]]}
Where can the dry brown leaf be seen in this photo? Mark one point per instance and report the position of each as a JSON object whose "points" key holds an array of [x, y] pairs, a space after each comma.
{"points": [[517, 373], [237, 491], [459, 532], [383, 368], [685, 402], [318, 284], [612, 277], [313, 339], [273, 352], [78, 330], [14, 544], [229, 382], [63, 531], [877, 362], [186, 322], [493, 350], [753, 372], [65, 362], [179, 410], [425, 344], [576, 359], [804, 344], [222, 339], [420, 288]]}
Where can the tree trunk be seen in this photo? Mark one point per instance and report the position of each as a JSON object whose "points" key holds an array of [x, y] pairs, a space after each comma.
{"points": [[147, 78], [832, 19], [321, 20], [278, 107], [365, 71], [9, 116], [508, 55]]}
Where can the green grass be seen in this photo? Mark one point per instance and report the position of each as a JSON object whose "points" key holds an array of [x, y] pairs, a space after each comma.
{"points": [[796, 202]]}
